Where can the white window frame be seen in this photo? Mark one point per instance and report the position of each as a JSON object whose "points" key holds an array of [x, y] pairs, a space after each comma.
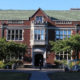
{"points": [[14, 34], [40, 35]]}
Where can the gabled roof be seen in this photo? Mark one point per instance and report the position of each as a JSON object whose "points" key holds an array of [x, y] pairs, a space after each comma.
{"points": [[71, 15]]}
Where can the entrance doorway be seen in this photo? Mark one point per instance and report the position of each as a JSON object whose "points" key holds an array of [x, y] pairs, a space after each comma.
{"points": [[37, 58]]}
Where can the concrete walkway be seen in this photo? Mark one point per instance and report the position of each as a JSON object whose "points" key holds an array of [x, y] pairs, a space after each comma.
{"points": [[39, 75]]}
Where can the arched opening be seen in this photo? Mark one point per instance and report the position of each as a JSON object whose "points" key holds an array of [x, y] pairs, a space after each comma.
{"points": [[37, 58]]}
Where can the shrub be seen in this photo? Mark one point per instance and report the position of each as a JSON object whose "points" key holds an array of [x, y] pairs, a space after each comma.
{"points": [[8, 65], [1, 64], [57, 63]]}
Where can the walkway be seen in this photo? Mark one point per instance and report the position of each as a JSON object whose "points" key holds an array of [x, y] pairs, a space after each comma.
{"points": [[39, 75]]}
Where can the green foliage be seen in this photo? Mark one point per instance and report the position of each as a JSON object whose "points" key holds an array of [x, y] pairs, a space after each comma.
{"points": [[60, 45], [73, 43], [1, 64], [10, 48]]}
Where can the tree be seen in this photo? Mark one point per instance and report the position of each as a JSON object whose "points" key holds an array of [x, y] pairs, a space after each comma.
{"points": [[3, 49], [14, 49], [73, 43], [9, 49]]}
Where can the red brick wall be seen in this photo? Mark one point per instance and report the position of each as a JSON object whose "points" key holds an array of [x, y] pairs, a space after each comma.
{"points": [[50, 58]]}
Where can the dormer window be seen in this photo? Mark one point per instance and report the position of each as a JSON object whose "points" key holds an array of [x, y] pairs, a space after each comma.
{"points": [[39, 19]]}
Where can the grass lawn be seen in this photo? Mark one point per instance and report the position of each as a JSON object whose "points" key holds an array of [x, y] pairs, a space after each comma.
{"points": [[64, 76], [14, 76]]}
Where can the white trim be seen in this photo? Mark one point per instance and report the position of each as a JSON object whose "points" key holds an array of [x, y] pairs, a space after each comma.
{"points": [[60, 27]]}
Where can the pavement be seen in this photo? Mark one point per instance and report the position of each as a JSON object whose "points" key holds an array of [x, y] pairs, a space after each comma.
{"points": [[37, 74]]}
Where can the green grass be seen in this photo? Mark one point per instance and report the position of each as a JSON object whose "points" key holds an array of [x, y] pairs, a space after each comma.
{"points": [[14, 76], [65, 76]]}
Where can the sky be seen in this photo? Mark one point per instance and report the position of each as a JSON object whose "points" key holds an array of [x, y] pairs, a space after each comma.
{"points": [[35, 4]]}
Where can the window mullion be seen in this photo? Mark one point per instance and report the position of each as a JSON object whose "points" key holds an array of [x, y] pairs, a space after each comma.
{"points": [[11, 34], [14, 34], [18, 34]]}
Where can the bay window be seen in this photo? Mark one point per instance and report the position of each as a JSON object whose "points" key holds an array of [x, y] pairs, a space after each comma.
{"points": [[39, 34]]}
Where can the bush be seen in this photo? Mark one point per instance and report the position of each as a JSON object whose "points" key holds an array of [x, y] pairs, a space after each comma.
{"points": [[57, 63], [8, 65], [1, 64]]}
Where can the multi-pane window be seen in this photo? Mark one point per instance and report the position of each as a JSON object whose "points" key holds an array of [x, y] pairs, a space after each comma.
{"points": [[14, 34], [62, 34], [39, 19], [63, 56], [39, 34]]}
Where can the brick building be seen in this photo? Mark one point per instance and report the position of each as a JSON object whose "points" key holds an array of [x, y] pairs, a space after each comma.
{"points": [[37, 28]]}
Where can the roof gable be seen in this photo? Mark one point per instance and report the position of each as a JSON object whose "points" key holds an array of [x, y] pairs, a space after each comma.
{"points": [[39, 12]]}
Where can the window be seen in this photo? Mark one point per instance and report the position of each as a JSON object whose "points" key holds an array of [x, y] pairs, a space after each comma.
{"points": [[62, 34], [14, 34], [63, 56], [39, 19], [39, 34]]}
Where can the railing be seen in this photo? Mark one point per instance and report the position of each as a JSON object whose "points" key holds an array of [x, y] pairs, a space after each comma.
{"points": [[39, 23]]}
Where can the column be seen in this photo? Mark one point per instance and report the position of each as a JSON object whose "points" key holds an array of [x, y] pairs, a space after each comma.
{"points": [[44, 58], [32, 57]]}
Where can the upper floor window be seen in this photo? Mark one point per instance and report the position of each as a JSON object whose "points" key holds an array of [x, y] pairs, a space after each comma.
{"points": [[62, 34], [39, 34], [39, 19], [15, 21], [14, 34]]}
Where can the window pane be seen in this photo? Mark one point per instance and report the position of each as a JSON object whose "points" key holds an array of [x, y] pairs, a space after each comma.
{"points": [[57, 37], [8, 37], [65, 57], [65, 32], [38, 37], [20, 32], [38, 31], [57, 57], [12, 32], [61, 37], [35, 37], [8, 32], [20, 38], [16, 32], [42, 32], [61, 32], [57, 32], [12, 37], [35, 31], [16, 38], [42, 37], [39, 19], [69, 32], [61, 57]]}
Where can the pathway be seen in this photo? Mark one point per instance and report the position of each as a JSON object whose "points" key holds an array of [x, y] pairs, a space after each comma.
{"points": [[39, 75]]}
